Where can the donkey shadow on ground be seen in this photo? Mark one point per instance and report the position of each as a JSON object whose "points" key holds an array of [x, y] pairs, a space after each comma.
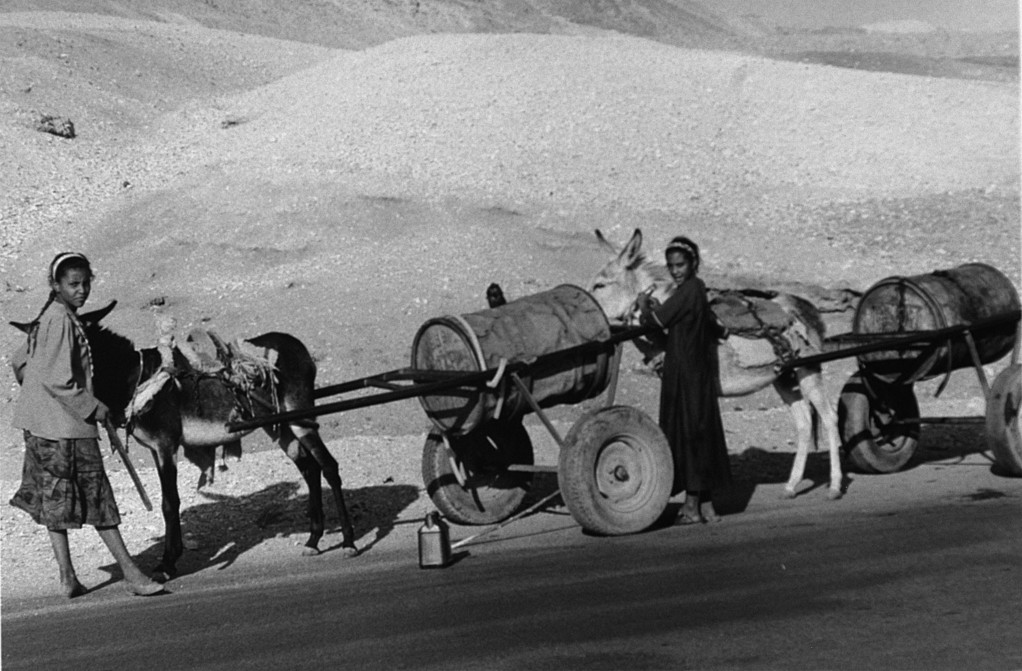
{"points": [[217, 533], [951, 443]]}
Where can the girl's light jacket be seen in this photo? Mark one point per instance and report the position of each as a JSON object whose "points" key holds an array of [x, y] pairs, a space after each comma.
{"points": [[56, 398]]}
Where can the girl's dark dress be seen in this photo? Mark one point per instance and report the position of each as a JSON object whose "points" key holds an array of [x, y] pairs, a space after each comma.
{"points": [[689, 412]]}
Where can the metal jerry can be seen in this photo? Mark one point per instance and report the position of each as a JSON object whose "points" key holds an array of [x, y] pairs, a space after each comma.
{"points": [[434, 542]]}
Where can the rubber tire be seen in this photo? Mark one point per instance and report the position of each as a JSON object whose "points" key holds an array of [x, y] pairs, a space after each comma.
{"points": [[600, 443], [492, 493], [1002, 419], [865, 410]]}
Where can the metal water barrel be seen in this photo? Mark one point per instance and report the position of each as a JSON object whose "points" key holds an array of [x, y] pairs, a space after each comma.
{"points": [[962, 295], [521, 330]]}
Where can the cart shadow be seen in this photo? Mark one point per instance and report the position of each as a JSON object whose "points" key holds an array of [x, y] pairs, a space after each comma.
{"points": [[217, 533], [944, 442], [757, 466]]}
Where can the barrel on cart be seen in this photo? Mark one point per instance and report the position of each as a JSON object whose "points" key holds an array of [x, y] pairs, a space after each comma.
{"points": [[521, 330], [935, 324], [615, 468]]}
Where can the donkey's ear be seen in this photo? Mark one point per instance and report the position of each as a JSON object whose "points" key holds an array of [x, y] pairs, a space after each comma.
{"points": [[605, 243], [24, 327], [96, 316], [632, 252]]}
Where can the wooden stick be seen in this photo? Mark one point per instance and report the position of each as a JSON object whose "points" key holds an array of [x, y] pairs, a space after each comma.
{"points": [[115, 442], [515, 518]]}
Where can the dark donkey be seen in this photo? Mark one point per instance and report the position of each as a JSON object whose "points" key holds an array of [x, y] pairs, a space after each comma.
{"points": [[193, 411]]}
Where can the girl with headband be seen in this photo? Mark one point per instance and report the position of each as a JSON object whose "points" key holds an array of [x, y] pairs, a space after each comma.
{"points": [[689, 410], [63, 483]]}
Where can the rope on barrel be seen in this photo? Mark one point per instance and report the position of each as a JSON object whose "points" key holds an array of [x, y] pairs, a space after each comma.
{"points": [[498, 379], [459, 474], [499, 375]]}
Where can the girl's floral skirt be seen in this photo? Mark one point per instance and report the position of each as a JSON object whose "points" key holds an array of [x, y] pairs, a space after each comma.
{"points": [[64, 485]]}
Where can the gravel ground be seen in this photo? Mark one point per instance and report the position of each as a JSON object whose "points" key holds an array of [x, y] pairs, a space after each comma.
{"points": [[248, 183]]}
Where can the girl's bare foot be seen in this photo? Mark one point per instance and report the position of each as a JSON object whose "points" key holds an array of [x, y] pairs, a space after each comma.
{"points": [[689, 516], [144, 587], [709, 514]]}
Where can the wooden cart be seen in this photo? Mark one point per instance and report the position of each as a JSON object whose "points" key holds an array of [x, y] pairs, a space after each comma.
{"points": [[478, 375], [909, 329]]}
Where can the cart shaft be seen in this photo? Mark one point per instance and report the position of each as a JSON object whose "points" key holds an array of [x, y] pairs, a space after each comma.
{"points": [[422, 382], [896, 341]]}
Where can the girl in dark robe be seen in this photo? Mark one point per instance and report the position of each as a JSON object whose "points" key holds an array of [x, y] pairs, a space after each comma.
{"points": [[689, 411]]}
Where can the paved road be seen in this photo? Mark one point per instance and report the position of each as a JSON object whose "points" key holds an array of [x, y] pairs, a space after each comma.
{"points": [[923, 572]]}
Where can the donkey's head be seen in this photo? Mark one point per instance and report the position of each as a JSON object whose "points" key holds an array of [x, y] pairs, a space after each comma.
{"points": [[628, 274], [115, 362]]}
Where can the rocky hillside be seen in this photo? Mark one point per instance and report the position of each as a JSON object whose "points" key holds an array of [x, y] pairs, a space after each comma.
{"points": [[347, 170]]}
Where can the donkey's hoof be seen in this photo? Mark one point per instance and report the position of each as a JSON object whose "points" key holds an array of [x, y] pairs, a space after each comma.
{"points": [[349, 551], [834, 494], [73, 589], [310, 552], [788, 493]]}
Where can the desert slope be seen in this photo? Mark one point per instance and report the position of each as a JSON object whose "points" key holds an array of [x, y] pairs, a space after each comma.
{"points": [[571, 130], [597, 120]]}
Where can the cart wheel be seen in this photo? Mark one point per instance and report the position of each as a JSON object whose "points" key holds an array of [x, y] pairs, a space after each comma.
{"points": [[490, 492], [615, 471], [867, 414], [1003, 419]]}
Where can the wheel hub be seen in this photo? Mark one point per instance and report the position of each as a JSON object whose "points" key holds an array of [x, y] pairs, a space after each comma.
{"points": [[619, 471]]}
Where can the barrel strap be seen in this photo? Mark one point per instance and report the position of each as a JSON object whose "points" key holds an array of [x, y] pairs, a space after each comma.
{"points": [[499, 375], [498, 379]]}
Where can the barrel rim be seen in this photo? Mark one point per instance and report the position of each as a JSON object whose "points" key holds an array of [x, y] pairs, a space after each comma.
{"points": [[923, 367], [469, 336]]}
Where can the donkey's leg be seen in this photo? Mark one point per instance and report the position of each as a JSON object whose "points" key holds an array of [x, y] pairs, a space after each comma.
{"points": [[327, 465], [308, 465], [810, 381], [166, 466], [802, 414], [295, 389], [311, 472]]}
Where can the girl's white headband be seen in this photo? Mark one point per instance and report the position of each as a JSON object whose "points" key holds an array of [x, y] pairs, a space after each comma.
{"points": [[61, 260], [682, 247]]}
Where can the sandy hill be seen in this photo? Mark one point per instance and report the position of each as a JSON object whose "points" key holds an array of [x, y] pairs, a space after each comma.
{"points": [[345, 171]]}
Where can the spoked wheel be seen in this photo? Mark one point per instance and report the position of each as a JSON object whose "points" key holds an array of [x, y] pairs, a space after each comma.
{"points": [[473, 485], [615, 471], [872, 420], [1002, 423]]}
